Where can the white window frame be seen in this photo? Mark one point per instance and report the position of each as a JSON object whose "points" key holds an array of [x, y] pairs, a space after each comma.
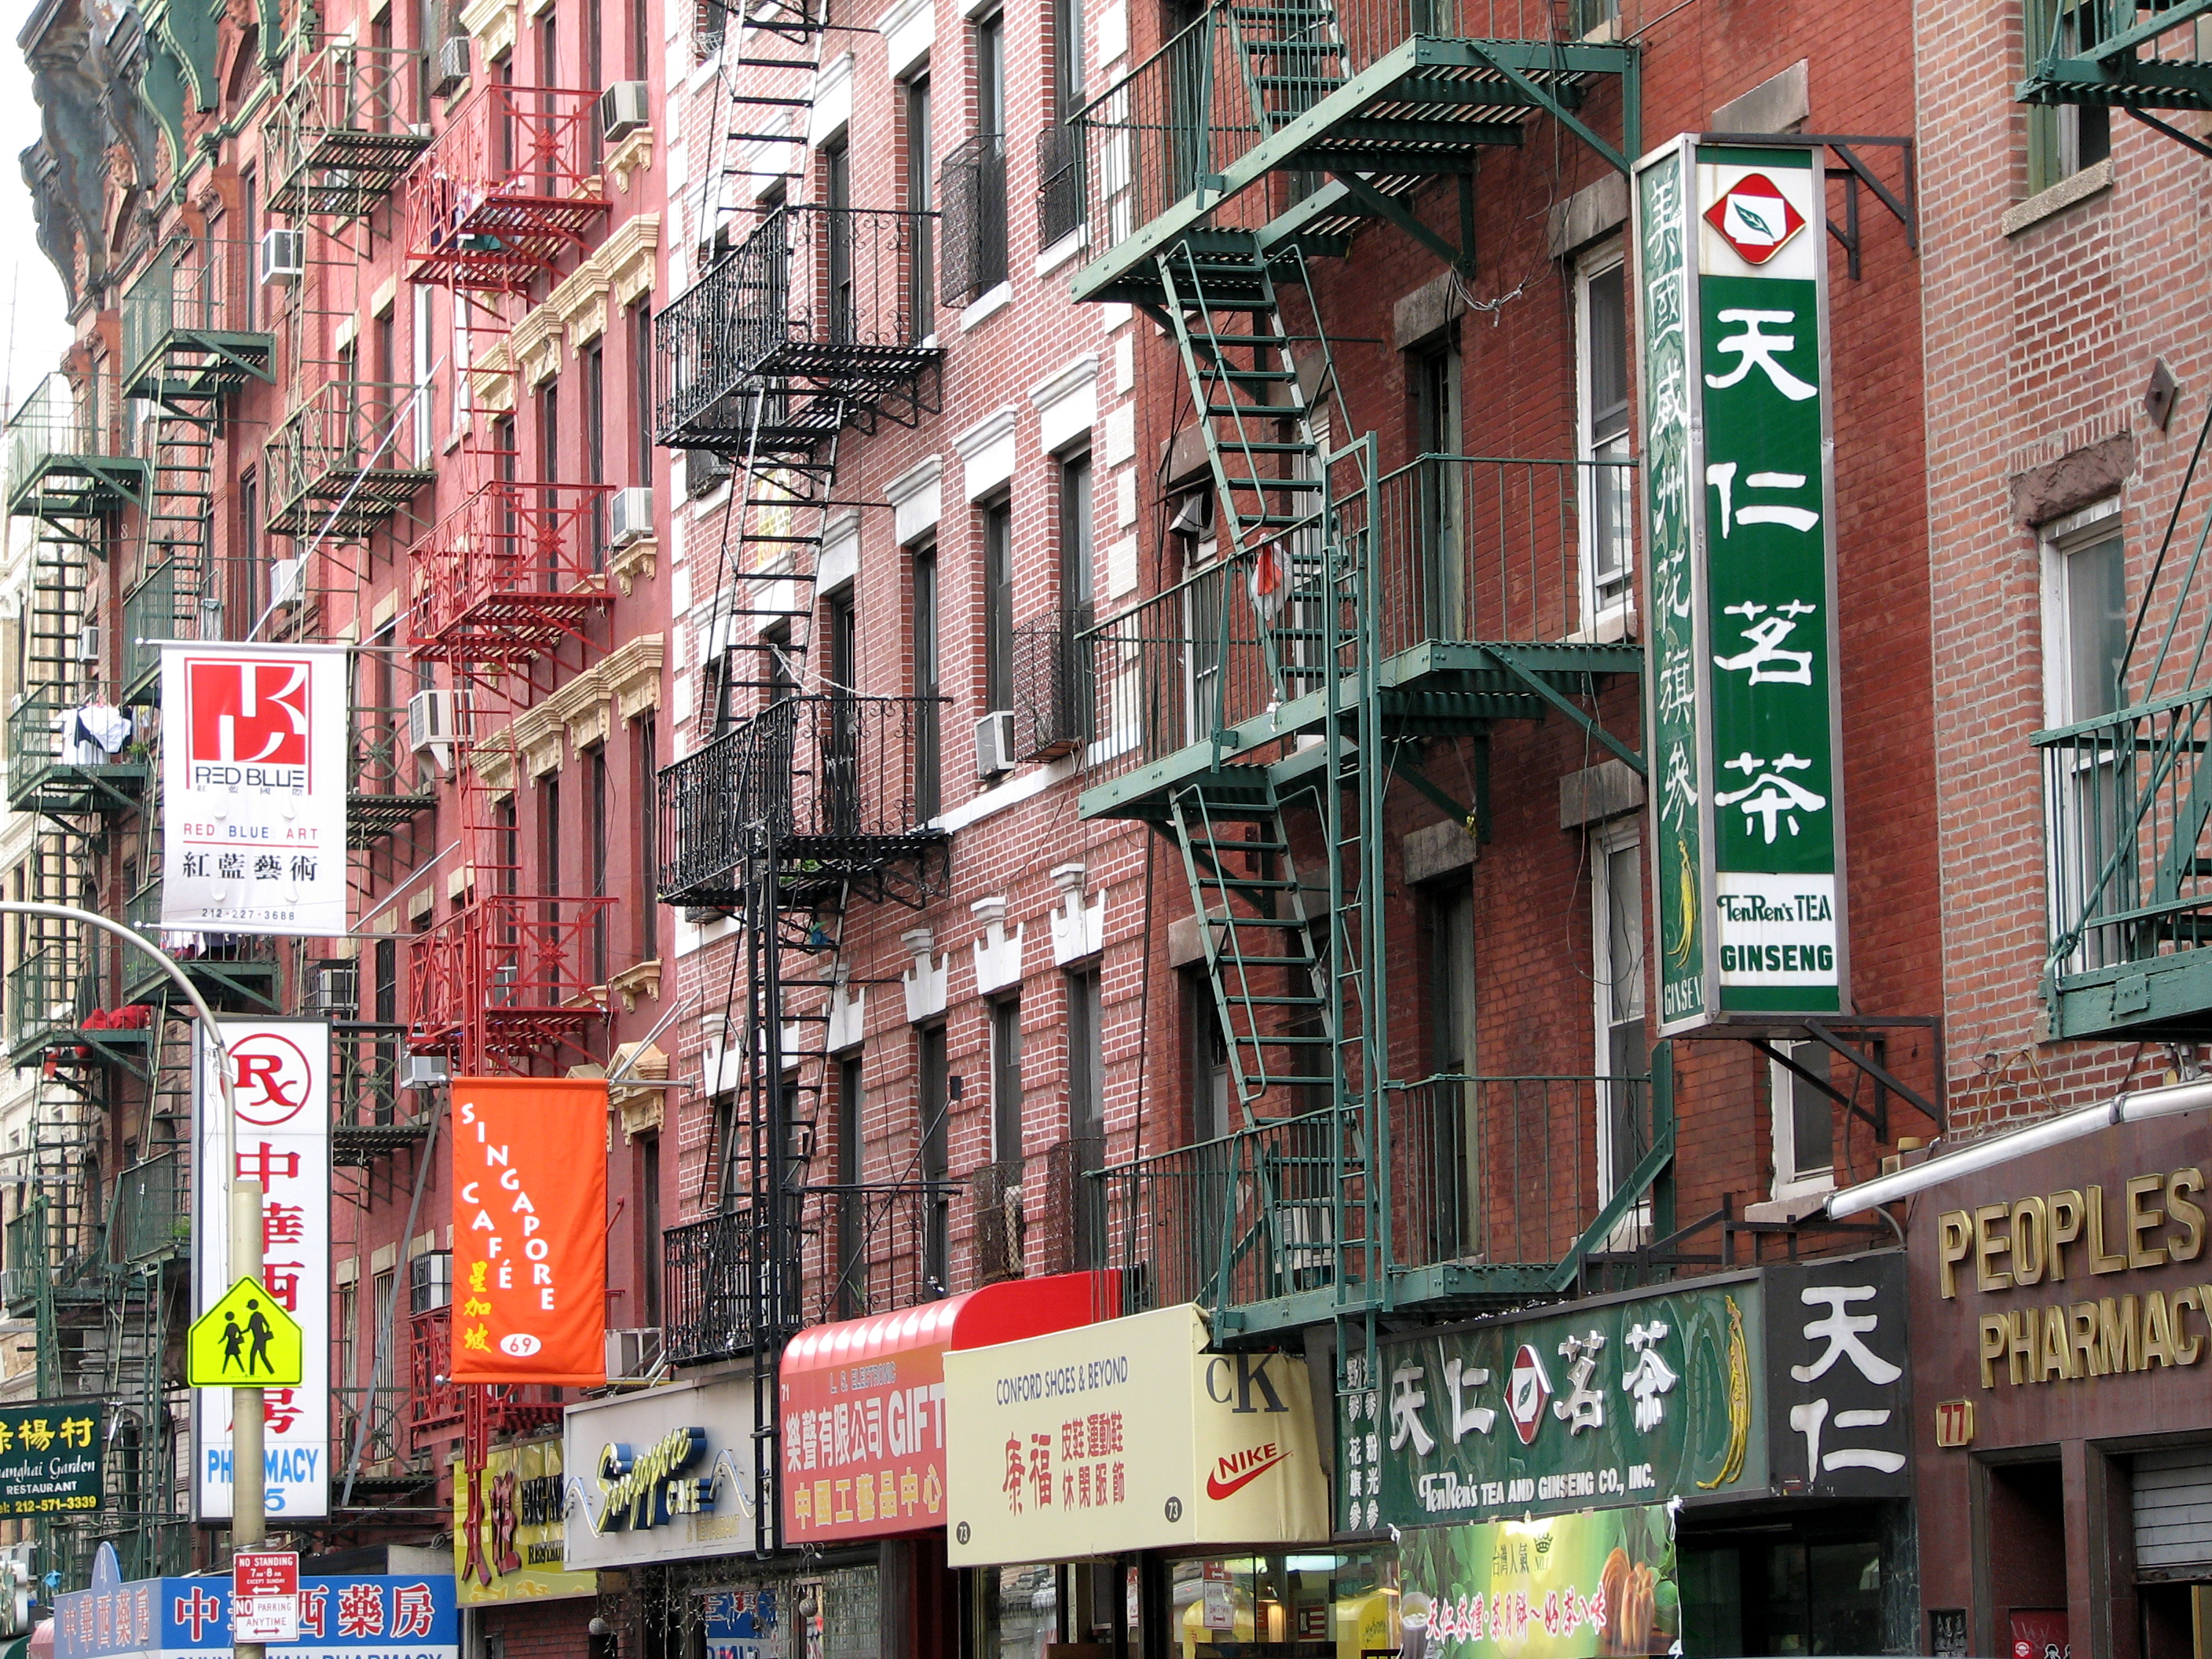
{"points": [[1610, 618], [2064, 885], [1782, 1084], [1620, 835]]}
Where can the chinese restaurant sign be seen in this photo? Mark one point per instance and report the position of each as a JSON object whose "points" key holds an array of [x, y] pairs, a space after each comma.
{"points": [[530, 1230], [1600, 1582], [514, 1554], [50, 1459], [280, 1078], [380, 1617], [1785, 1380], [1126, 1435], [254, 779], [1740, 512]]}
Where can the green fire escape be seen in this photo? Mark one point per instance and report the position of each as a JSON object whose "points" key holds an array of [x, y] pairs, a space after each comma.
{"points": [[1258, 711]]}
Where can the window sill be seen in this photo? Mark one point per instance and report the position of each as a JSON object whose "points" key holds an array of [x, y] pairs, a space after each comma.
{"points": [[2066, 193], [1614, 624], [993, 302], [1063, 250], [1794, 1208]]}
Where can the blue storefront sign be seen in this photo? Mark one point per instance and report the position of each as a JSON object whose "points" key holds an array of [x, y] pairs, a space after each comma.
{"points": [[386, 1616]]}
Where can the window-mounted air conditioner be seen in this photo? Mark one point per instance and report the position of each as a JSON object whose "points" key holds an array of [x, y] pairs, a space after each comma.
{"points": [[283, 256], [88, 643], [622, 111], [423, 1071], [452, 66], [632, 516], [633, 1356], [995, 743], [335, 993], [434, 720], [287, 581]]}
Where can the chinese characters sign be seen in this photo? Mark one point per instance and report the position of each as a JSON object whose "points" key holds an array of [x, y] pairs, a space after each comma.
{"points": [[383, 1617], [512, 1552], [253, 774], [1126, 1435], [530, 1230], [50, 1459], [280, 1078], [1786, 1380], [1745, 804], [1569, 1587], [1633, 1401]]}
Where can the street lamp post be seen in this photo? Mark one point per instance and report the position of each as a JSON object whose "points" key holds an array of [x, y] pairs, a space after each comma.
{"points": [[249, 1516]]}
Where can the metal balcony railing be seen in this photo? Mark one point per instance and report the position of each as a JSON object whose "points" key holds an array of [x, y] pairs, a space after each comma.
{"points": [[509, 186], [48, 993], [1500, 1173], [343, 461], [847, 1252], [163, 604], [64, 458], [1466, 551], [508, 575], [1237, 75], [388, 785], [236, 972], [811, 315], [345, 130], [187, 323], [1052, 695], [152, 1217], [371, 1115], [1059, 183], [971, 184], [369, 1418], [39, 736], [509, 972], [828, 782], [434, 1399]]}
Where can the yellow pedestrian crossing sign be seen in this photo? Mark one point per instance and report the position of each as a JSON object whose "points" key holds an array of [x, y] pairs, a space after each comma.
{"points": [[246, 1341]]}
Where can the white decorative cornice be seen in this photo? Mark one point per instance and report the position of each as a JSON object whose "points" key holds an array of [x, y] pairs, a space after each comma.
{"points": [[1078, 930], [627, 257], [632, 672], [536, 343], [998, 424], [926, 982], [580, 304], [628, 158], [1076, 377], [491, 379], [492, 24], [998, 953]]}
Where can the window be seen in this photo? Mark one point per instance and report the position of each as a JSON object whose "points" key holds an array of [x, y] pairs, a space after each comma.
{"points": [[928, 730], [1073, 692], [596, 781], [1207, 1047], [932, 1103], [1435, 377], [430, 1281], [645, 793], [851, 1219], [1066, 57], [841, 752], [420, 343], [648, 1216], [1193, 525], [837, 195], [643, 413], [2085, 632], [2063, 139], [1006, 1081], [999, 605], [921, 201], [246, 587], [595, 443], [1087, 1111], [1804, 1123], [990, 207], [549, 835], [1602, 441], [346, 1315], [1456, 1149], [1617, 918]]}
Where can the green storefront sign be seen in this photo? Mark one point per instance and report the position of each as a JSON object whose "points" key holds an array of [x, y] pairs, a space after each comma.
{"points": [[1740, 512], [50, 1459], [1567, 1587]]}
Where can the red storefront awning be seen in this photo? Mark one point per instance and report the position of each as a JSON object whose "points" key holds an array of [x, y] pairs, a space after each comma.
{"points": [[863, 1401]]}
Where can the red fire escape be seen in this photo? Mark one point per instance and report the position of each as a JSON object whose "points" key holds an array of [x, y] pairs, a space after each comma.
{"points": [[508, 188]]}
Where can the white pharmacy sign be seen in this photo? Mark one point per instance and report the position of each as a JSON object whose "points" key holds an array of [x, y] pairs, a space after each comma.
{"points": [[254, 779], [280, 1076]]}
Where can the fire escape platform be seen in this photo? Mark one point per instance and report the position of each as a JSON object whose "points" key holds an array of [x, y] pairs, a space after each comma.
{"points": [[55, 790], [70, 487], [199, 365], [1425, 107], [2116, 71], [1437, 689], [373, 817], [345, 173]]}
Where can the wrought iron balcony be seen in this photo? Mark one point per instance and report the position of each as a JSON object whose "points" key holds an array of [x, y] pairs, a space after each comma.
{"points": [[345, 461], [345, 130], [151, 1220], [387, 785], [48, 993], [971, 184], [1474, 1193], [186, 317], [237, 973], [1053, 694], [823, 786], [509, 187], [508, 575], [2119, 52], [63, 463], [164, 603], [808, 323], [434, 1399], [1478, 570], [1059, 183], [371, 1113], [51, 771], [505, 976], [845, 1251]]}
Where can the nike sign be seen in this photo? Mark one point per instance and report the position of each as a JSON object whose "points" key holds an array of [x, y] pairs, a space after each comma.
{"points": [[1217, 1489]]}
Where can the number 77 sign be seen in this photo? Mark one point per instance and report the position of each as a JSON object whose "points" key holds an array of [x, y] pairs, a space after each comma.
{"points": [[1743, 711]]}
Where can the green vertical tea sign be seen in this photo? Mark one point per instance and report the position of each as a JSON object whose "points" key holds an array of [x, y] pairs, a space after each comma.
{"points": [[1740, 512]]}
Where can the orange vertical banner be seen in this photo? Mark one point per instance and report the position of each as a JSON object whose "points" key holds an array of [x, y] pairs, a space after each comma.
{"points": [[530, 1230]]}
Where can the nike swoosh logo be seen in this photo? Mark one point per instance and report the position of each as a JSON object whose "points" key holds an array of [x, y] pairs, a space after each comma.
{"points": [[1217, 1488]]}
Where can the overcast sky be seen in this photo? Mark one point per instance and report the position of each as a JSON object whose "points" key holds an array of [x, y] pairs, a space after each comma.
{"points": [[34, 327]]}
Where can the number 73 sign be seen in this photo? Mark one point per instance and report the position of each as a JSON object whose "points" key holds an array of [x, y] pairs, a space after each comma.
{"points": [[1747, 806]]}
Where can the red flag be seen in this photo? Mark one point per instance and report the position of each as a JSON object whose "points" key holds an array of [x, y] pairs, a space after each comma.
{"points": [[530, 1230]]}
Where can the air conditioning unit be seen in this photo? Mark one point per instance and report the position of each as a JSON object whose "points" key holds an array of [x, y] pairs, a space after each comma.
{"points": [[623, 110], [632, 516], [995, 743], [287, 581], [335, 993], [433, 719], [283, 256], [423, 1071], [633, 1356], [452, 66], [88, 642]]}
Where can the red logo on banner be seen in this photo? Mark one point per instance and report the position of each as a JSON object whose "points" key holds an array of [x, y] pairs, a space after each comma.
{"points": [[248, 711], [270, 1079], [530, 1230], [1755, 218]]}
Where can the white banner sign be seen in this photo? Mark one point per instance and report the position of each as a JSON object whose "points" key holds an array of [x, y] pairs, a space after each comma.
{"points": [[280, 1074], [253, 778]]}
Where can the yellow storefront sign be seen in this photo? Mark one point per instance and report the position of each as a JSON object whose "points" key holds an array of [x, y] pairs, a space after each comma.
{"points": [[1126, 1435], [515, 1552]]}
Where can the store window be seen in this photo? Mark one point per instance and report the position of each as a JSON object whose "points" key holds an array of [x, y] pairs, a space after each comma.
{"points": [[1327, 1605], [1781, 1597], [1014, 1613], [1804, 1123]]}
